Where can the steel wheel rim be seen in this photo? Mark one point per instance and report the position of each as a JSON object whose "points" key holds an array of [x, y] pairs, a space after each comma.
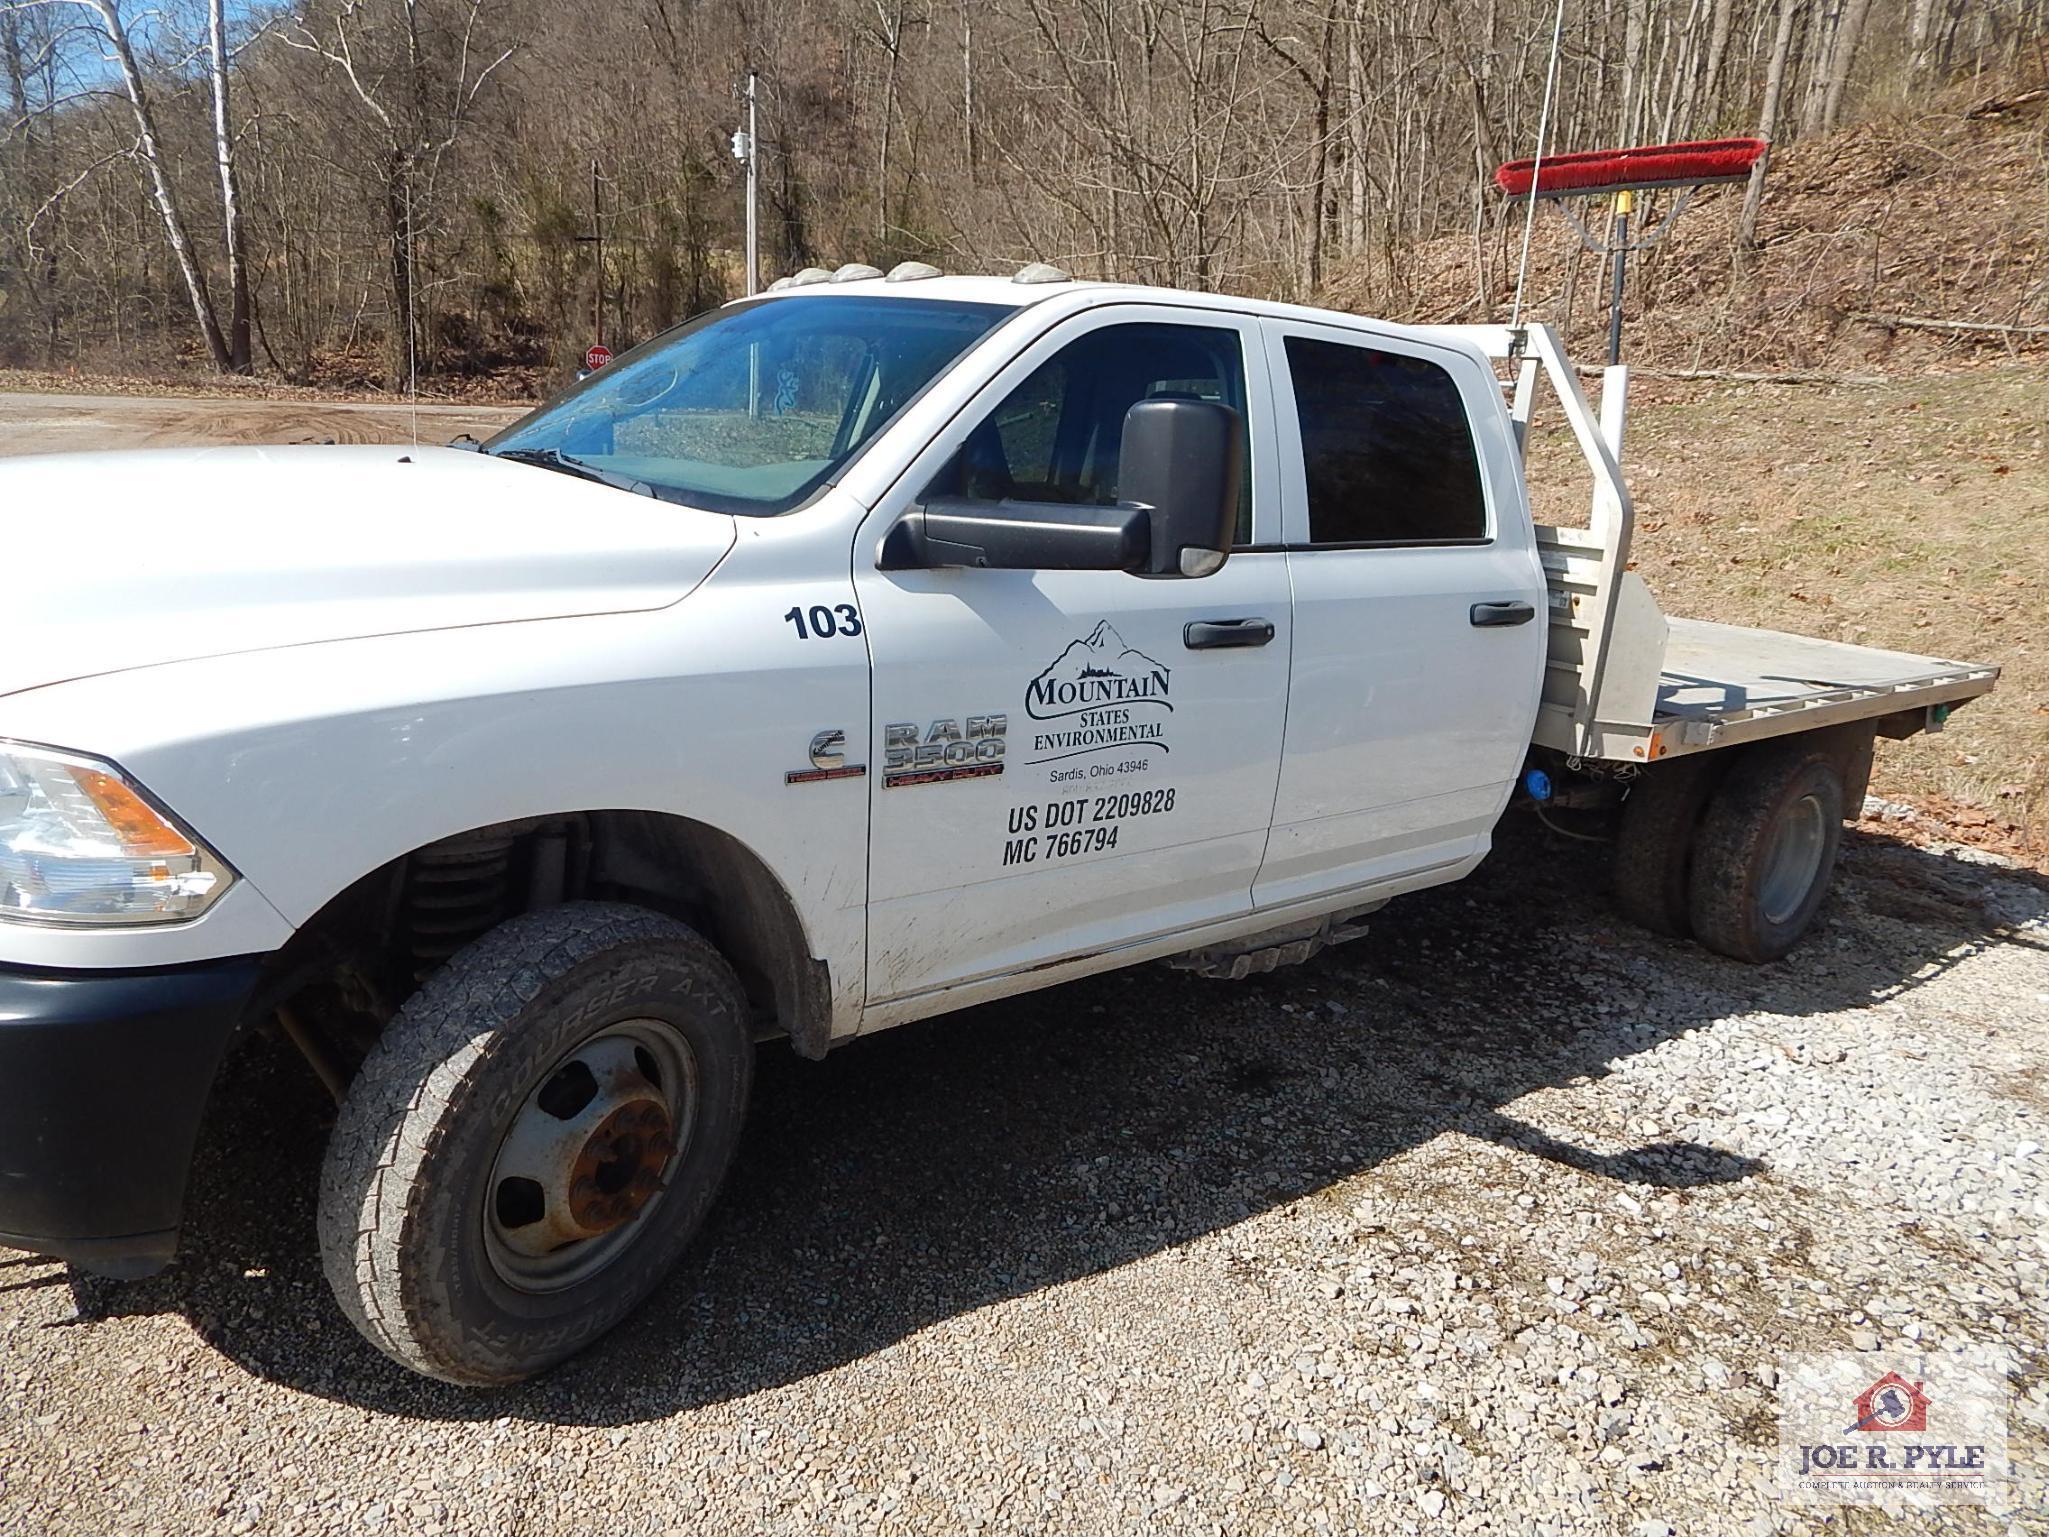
{"points": [[587, 1158], [1795, 859]]}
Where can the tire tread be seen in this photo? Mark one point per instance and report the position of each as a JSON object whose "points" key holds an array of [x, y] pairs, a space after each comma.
{"points": [[370, 1192]]}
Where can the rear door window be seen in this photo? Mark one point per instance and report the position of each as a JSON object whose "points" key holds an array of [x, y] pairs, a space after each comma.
{"points": [[1386, 447]]}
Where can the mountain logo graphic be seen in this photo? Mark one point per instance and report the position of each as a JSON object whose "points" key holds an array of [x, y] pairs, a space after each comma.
{"points": [[1095, 671]]}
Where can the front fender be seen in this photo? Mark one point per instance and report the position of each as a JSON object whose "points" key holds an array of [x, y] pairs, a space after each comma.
{"points": [[307, 768]]}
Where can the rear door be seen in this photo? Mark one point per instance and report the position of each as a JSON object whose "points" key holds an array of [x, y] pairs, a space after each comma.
{"points": [[1060, 765], [1419, 610]]}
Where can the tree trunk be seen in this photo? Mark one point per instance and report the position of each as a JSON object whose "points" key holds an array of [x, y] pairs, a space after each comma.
{"points": [[1848, 32], [1711, 86], [1355, 136], [1821, 30], [1768, 120], [1920, 37], [967, 90], [1320, 178], [39, 173], [167, 202], [231, 209]]}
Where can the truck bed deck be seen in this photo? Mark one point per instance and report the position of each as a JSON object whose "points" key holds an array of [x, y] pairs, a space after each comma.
{"points": [[1724, 683]]}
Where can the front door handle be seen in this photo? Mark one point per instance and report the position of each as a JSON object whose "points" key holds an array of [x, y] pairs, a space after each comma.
{"points": [[1490, 616], [1214, 634]]}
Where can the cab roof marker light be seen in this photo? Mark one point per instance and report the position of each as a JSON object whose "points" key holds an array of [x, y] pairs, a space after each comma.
{"points": [[808, 276], [856, 272], [912, 272], [1040, 272], [778, 285]]}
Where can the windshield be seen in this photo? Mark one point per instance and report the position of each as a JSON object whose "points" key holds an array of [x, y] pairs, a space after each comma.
{"points": [[751, 409]]}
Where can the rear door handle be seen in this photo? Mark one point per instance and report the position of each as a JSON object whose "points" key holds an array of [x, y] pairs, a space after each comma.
{"points": [[1490, 616], [1214, 634]]}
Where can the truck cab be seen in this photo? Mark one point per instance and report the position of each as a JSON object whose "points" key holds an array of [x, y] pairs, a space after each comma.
{"points": [[847, 656]]}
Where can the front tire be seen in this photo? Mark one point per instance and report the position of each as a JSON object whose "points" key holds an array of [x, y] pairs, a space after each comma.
{"points": [[534, 1141]]}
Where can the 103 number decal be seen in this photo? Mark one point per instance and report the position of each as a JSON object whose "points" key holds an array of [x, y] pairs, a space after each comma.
{"points": [[824, 621]]}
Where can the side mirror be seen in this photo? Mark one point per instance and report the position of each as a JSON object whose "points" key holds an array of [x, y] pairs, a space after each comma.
{"points": [[1016, 536], [1181, 462], [1178, 469]]}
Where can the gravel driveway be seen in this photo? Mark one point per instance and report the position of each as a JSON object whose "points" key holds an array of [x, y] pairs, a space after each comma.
{"points": [[1496, 1220]]}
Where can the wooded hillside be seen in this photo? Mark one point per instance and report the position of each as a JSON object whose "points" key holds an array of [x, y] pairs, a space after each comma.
{"points": [[345, 189]]}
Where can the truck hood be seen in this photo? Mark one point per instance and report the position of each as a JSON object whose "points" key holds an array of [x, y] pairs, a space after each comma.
{"points": [[119, 560]]}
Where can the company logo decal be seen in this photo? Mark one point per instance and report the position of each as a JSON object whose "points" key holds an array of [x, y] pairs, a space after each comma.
{"points": [[1099, 694], [1930, 1431]]}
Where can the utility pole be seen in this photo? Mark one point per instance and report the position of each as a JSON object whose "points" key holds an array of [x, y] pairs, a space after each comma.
{"points": [[598, 237], [596, 240], [747, 150]]}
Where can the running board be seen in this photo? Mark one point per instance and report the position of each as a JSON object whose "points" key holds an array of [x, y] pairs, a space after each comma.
{"points": [[1289, 945]]}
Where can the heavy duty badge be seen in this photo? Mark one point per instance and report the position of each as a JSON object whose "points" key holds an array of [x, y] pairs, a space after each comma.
{"points": [[826, 749], [947, 749]]}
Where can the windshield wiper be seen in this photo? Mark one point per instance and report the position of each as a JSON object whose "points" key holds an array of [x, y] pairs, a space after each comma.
{"points": [[555, 459]]}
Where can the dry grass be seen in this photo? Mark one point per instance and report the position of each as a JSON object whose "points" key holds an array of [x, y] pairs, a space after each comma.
{"points": [[1912, 514]]}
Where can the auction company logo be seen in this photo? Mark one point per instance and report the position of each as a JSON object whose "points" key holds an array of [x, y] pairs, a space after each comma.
{"points": [[1891, 1403], [1933, 1435]]}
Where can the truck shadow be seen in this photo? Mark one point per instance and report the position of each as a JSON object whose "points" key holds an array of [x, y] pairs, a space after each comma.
{"points": [[946, 1166]]}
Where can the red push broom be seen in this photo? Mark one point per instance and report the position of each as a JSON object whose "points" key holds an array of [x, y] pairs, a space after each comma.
{"points": [[1621, 174]]}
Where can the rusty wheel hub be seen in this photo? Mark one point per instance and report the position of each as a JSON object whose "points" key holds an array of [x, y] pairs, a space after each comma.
{"points": [[620, 1167], [589, 1154]]}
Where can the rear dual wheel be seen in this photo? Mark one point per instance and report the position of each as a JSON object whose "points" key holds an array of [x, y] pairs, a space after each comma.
{"points": [[1738, 852], [534, 1141], [1765, 852]]}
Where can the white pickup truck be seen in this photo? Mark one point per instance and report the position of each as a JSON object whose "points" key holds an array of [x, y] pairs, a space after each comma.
{"points": [[848, 655]]}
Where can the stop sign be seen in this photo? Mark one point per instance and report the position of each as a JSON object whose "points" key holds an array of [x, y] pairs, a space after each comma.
{"points": [[597, 357]]}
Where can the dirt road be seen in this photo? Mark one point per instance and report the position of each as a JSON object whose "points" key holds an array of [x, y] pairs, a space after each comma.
{"points": [[1502, 1219], [51, 424]]}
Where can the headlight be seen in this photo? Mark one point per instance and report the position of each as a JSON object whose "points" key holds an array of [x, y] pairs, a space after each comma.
{"points": [[80, 844]]}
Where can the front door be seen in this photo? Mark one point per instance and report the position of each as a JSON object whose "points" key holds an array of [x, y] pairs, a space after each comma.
{"points": [[1061, 765]]}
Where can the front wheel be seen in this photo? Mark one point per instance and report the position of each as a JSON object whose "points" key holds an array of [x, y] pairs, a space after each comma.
{"points": [[534, 1141]]}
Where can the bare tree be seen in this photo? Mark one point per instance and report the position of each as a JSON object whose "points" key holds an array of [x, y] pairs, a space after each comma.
{"points": [[418, 101], [1842, 54], [149, 151], [1768, 119], [231, 204]]}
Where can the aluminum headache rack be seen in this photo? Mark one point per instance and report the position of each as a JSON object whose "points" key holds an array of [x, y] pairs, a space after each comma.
{"points": [[1624, 683]]}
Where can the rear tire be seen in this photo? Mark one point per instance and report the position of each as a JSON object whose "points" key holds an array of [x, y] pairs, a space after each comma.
{"points": [[1766, 851], [534, 1141], [1653, 855]]}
